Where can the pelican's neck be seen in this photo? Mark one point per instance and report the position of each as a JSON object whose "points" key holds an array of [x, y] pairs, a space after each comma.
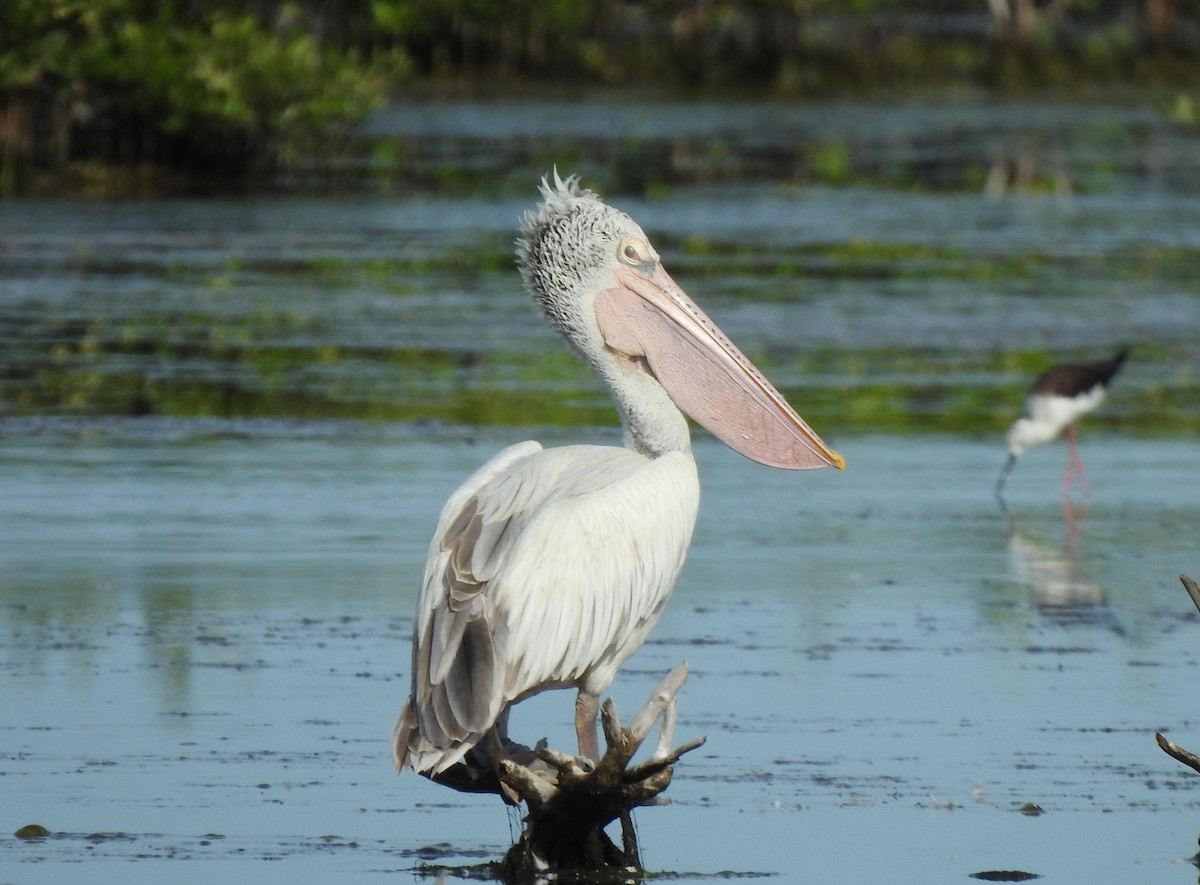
{"points": [[653, 423]]}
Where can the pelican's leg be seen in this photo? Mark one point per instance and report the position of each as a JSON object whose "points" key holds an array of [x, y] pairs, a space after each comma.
{"points": [[587, 705]]}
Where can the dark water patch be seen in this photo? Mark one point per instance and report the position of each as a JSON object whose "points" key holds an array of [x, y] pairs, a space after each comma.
{"points": [[1060, 650], [908, 145]]}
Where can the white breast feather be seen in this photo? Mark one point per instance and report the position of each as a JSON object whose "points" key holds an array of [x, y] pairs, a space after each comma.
{"points": [[603, 563]]}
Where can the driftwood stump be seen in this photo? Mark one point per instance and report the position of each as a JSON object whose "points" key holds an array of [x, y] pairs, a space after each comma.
{"points": [[569, 801]]}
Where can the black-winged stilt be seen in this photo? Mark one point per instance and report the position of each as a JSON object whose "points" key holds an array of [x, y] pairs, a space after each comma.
{"points": [[1056, 399]]}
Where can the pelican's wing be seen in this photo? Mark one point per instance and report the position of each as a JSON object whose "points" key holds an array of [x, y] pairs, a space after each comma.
{"points": [[449, 607]]}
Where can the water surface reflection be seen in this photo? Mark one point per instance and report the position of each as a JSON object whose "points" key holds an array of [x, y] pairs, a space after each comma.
{"points": [[225, 617]]}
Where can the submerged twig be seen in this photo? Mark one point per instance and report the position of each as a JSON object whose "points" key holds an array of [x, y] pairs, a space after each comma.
{"points": [[1188, 758], [1192, 588], [1172, 749]]}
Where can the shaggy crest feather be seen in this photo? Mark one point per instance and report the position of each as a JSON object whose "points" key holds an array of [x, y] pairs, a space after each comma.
{"points": [[564, 242], [561, 198]]}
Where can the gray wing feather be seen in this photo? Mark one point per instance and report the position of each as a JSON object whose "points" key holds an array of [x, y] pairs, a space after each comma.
{"points": [[449, 684]]}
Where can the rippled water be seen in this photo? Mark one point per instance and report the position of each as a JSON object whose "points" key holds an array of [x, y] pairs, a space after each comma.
{"points": [[947, 252], [206, 639], [227, 427]]}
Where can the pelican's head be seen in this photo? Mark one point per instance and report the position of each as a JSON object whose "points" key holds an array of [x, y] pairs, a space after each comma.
{"points": [[569, 251], [601, 282]]}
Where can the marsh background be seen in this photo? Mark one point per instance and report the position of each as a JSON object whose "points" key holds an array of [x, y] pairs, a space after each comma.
{"points": [[259, 317]]}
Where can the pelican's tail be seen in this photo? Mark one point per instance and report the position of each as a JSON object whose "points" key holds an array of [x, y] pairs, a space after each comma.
{"points": [[413, 750], [403, 733]]}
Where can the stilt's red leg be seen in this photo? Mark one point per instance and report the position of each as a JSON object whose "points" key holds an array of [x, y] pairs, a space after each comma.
{"points": [[1075, 463], [1069, 472], [1074, 466]]}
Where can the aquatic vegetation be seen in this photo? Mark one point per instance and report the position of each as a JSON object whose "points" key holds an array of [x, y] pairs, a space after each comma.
{"points": [[211, 91], [909, 298], [438, 333], [125, 96], [268, 366]]}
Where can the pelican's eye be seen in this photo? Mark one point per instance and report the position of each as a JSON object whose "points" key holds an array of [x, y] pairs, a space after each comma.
{"points": [[634, 251]]}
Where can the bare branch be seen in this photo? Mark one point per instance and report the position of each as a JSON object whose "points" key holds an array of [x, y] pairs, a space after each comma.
{"points": [[666, 732], [557, 758], [1188, 758], [662, 697], [1192, 588], [614, 735], [656, 763], [1191, 760], [527, 784]]}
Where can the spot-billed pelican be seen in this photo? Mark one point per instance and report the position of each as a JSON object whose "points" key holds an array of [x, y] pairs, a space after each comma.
{"points": [[1056, 400], [549, 567]]}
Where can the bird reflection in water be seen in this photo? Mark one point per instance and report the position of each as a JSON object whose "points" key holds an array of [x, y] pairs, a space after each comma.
{"points": [[1061, 586]]}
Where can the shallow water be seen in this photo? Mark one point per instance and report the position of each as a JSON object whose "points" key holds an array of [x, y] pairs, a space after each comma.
{"points": [[206, 609], [206, 639], [961, 248]]}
